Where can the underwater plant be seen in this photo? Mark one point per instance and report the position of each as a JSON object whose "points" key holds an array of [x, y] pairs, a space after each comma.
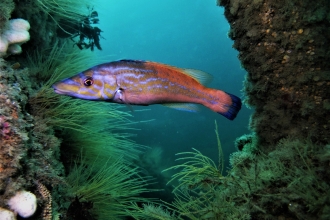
{"points": [[198, 169], [103, 140], [111, 189], [49, 17], [70, 10], [47, 66], [32, 114], [100, 137], [152, 211], [291, 181], [81, 124], [199, 185]]}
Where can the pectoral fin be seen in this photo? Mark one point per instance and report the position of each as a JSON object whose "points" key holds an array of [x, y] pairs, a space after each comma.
{"points": [[120, 98]]}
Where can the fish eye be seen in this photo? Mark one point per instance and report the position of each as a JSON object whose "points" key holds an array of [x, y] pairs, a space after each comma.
{"points": [[88, 81]]}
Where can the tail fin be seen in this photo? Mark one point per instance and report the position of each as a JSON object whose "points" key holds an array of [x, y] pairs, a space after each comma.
{"points": [[233, 108], [224, 103]]}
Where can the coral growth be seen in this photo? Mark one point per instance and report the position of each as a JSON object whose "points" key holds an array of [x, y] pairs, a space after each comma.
{"points": [[29, 149], [283, 46], [13, 126], [15, 34], [6, 214], [289, 182], [23, 203]]}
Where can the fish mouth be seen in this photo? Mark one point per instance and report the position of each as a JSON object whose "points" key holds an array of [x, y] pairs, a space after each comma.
{"points": [[58, 91]]}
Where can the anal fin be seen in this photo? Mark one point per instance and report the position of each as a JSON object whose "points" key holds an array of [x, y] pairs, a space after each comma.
{"points": [[183, 106]]}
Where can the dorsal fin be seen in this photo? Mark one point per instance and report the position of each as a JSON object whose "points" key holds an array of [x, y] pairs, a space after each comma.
{"points": [[200, 76], [131, 61]]}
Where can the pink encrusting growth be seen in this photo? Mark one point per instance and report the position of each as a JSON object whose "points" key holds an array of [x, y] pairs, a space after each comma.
{"points": [[145, 83], [4, 128]]}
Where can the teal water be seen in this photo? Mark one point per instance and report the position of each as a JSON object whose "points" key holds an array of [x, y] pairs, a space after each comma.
{"points": [[186, 34]]}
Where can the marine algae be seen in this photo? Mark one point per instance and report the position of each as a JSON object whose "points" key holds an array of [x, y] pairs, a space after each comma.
{"points": [[111, 188]]}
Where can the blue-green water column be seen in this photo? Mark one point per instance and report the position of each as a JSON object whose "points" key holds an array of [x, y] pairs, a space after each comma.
{"points": [[284, 46]]}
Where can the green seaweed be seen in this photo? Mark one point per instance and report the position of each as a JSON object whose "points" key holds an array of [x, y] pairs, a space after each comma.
{"points": [[69, 10], [291, 181], [47, 67], [112, 188], [152, 211], [96, 129]]}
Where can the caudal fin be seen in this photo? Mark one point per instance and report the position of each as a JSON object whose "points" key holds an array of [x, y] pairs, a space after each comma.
{"points": [[233, 107], [224, 103]]}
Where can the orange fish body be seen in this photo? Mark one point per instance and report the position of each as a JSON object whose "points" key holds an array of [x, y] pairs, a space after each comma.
{"points": [[145, 83]]}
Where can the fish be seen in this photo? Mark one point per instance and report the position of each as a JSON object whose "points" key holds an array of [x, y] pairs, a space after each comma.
{"points": [[137, 82]]}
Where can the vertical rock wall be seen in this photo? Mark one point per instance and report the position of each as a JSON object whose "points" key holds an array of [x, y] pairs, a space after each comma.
{"points": [[284, 46], [29, 151]]}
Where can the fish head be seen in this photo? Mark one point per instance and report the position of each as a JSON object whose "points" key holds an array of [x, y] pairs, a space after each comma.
{"points": [[90, 84]]}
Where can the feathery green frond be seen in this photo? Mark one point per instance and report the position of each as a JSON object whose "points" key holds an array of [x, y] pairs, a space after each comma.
{"points": [[48, 66], [151, 211], [221, 157], [60, 61], [102, 142], [197, 168], [69, 10], [197, 194], [112, 188]]}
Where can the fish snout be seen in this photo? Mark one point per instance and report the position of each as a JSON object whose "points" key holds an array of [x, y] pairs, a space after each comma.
{"points": [[66, 87], [57, 90], [77, 89]]}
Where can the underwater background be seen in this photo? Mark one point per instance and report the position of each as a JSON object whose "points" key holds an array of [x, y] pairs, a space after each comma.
{"points": [[67, 158]]}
